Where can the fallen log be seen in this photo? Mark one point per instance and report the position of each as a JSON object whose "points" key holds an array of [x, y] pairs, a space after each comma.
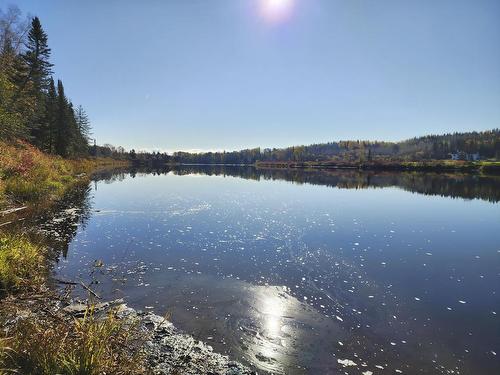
{"points": [[12, 210]]}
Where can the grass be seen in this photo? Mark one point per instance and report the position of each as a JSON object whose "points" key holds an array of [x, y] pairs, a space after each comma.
{"points": [[52, 344], [28, 175], [22, 263], [38, 338]]}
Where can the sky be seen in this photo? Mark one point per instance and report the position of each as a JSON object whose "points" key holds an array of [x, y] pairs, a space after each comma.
{"points": [[232, 74]]}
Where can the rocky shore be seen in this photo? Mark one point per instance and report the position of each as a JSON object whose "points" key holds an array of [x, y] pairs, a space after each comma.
{"points": [[170, 351], [167, 349]]}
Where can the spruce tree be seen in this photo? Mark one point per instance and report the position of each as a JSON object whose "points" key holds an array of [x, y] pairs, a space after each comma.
{"points": [[37, 57], [51, 117], [82, 120], [62, 130], [75, 139], [34, 80]]}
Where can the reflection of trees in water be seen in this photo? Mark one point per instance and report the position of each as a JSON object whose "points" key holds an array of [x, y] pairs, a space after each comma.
{"points": [[119, 174], [61, 222], [467, 186], [111, 175]]}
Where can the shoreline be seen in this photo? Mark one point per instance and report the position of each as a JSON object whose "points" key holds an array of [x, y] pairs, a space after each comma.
{"points": [[478, 167], [157, 346], [33, 309], [170, 351], [412, 166]]}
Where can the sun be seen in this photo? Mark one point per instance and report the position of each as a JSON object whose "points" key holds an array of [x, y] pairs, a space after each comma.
{"points": [[276, 10]]}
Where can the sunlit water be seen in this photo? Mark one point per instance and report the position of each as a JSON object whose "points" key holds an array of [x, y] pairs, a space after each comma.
{"points": [[331, 276]]}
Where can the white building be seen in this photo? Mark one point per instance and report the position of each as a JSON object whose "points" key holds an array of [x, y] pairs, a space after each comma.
{"points": [[460, 155]]}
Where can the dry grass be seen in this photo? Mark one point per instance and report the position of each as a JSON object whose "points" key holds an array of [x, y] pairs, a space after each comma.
{"points": [[55, 344], [28, 175]]}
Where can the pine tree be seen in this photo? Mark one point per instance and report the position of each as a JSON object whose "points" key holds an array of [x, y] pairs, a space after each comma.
{"points": [[77, 144], [82, 120], [62, 130], [51, 116], [34, 80], [37, 57]]}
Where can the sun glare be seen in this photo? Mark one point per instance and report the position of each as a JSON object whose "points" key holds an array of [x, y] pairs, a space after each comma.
{"points": [[276, 10]]}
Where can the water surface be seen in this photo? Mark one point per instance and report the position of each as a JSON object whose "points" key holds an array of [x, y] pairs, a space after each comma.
{"points": [[294, 272]]}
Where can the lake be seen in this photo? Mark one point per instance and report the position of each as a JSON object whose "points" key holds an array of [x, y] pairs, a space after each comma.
{"points": [[298, 271]]}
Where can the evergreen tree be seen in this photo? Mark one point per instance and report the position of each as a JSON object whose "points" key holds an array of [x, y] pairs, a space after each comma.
{"points": [[62, 130], [33, 79], [37, 56], [31, 107], [83, 123], [78, 144], [51, 116]]}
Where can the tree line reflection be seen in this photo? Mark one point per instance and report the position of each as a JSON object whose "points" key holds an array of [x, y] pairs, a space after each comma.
{"points": [[60, 223], [465, 186]]}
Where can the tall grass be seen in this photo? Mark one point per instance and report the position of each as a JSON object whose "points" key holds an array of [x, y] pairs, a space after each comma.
{"points": [[22, 263], [87, 346]]}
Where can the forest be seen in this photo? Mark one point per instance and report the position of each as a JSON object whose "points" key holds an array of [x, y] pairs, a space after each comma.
{"points": [[433, 147], [34, 107]]}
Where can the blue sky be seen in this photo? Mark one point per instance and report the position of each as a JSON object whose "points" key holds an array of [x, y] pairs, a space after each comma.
{"points": [[224, 74]]}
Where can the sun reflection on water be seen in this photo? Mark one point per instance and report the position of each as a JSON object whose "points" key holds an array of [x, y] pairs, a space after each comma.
{"points": [[273, 310]]}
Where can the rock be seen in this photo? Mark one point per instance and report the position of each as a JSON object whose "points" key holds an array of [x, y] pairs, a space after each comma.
{"points": [[169, 351], [78, 309]]}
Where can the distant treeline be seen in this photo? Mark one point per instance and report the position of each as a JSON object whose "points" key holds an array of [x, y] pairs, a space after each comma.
{"points": [[433, 147], [33, 107], [486, 144]]}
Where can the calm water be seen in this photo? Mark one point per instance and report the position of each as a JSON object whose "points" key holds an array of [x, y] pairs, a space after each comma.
{"points": [[303, 272]]}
